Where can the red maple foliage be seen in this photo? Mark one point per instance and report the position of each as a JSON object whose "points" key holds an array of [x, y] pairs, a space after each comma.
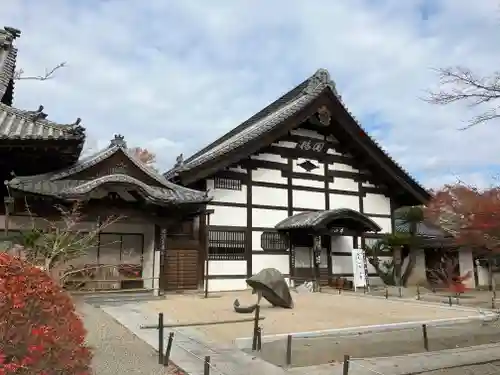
{"points": [[144, 155], [470, 214], [40, 331]]}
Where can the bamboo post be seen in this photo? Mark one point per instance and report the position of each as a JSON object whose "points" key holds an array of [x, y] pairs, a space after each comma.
{"points": [[493, 302], [255, 327], [160, 338], [418, 292], [386, 293], [345, 367], [166, 358], [450, 302], [289, 350], [426, 338], [206, 366]]}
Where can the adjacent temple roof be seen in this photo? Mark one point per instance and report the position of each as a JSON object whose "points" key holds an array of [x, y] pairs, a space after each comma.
{"points": [[249, 137], [26, 125], [8, 55], [69, 185], [17, 124]]}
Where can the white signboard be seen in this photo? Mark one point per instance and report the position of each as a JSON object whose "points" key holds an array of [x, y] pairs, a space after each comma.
{"points": [[358, 268]]}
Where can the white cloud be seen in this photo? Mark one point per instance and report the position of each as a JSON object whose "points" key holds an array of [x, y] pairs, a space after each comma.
{"points": [[173, 75]]}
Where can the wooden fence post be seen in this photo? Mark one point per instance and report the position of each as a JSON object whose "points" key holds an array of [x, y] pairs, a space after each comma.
{"points": [[160, 338], [345, 367], [426, 339], [166, 359], [206, 366], [289, 350], [255, 327]]}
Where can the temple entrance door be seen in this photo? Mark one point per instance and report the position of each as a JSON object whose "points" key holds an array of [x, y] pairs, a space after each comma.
{"points": [[180, 271]]}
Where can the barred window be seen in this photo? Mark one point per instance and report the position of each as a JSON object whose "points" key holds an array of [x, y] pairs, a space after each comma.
{"points": [[226, 245], [273, 241], [227, 183]]}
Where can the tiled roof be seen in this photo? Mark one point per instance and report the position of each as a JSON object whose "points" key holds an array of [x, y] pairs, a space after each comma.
{"points": [[261, 123], [60, 184], [320, 219], [274, 115], [8, 54], [423, 229], [23, 125]]}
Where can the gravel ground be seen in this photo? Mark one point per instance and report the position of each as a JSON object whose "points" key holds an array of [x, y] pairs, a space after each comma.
{"points": [[312, 312], [116, 350], [330, 349]]}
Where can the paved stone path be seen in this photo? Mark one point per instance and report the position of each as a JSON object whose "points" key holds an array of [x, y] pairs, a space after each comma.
{"points": [[116, 350], [190, 347]]}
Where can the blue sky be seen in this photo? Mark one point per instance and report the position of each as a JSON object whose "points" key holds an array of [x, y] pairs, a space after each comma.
{"points": [[173, 75]]}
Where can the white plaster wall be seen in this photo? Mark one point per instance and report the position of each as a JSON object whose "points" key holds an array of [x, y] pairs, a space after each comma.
{"points": [[342, 167], [269, 196], [226, 285], [269, 175], [346, 184], [304, 257], [227, 267], [384, 222], [466, 264], [226, 195], [270, 157], [267, 218], [308, 183], [261, 261], [308, 199], [344, 201], [308, 133], [376, 204], [228, 216], [287, 144]]}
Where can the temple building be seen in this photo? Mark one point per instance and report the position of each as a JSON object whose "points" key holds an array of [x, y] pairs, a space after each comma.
{"points": [[300, 187]]}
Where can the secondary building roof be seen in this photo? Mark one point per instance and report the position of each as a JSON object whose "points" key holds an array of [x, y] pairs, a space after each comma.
{"points": [[17, 124], [72, 183]]}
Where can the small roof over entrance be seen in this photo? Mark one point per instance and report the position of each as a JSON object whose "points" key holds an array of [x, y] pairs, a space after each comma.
{"points": [[321, 221]]}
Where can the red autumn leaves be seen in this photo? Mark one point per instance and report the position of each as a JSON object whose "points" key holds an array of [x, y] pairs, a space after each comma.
{"points": [[40, 332], [470, 214]]}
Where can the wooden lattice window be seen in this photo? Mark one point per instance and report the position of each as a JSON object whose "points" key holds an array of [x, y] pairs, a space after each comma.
{"points": [[273, 241], [227, 183], [226, 245]]}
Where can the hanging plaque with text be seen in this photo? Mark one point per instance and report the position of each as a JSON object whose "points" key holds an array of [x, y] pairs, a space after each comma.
{"points": [[309, 145]]}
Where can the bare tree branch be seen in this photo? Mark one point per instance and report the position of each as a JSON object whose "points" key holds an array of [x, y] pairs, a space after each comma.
{"points": [[460, 84], [49, 73]]}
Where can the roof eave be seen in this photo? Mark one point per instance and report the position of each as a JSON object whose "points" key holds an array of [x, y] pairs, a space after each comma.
{"points": [[210, 167], [419, 194]]}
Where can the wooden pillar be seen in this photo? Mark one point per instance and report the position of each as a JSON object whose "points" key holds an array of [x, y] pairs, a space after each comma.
{"points": [[291, 263]]}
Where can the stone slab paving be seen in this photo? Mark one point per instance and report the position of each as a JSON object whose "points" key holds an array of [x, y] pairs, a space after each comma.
{"points": [[428, 363], [190, 347]]}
